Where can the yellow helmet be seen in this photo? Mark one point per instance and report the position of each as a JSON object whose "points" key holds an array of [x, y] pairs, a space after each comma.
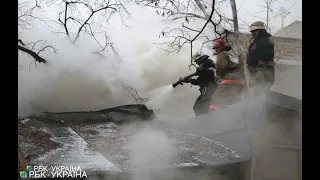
{"points": [[257, 25]]}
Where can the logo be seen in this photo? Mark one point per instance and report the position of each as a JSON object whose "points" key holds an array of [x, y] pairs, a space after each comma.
{"points": [[23, 174], [29, 168], [51, 171]]}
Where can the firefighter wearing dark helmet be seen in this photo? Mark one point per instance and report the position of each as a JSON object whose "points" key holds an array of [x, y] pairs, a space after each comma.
{"points": [[206, 81], [230, 85], [260, 59]]}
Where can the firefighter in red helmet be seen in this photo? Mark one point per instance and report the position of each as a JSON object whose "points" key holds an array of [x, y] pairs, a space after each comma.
{"points": [[231, 84]]}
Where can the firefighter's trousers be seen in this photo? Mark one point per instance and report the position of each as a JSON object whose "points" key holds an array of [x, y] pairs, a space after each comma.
{"points": [[228, 92], [203, 101]]}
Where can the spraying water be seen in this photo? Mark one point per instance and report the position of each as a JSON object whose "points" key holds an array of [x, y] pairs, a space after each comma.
{"points": [[159, 96]]}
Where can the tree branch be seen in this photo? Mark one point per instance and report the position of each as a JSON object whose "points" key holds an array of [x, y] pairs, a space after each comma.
{"points": [[85, 18], [203, 9], [33, 54]]}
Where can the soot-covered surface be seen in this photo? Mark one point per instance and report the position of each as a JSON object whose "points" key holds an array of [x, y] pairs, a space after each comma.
{"points": [[34, 141], [100, 139], [112, 142]]}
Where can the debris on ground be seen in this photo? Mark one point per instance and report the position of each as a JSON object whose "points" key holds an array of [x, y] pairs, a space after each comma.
{"points": [[34, 141], [111, 141]]}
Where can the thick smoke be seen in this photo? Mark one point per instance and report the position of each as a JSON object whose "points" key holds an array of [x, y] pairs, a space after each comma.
{"points": [[76, 80]]}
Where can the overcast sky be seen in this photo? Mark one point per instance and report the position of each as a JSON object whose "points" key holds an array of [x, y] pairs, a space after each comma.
{"points": [[146, 24], [248, 9], [145, 27]]}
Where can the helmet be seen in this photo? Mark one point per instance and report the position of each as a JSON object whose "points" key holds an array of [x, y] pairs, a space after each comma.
{"points": [[257, 25], [196, 56], [219, 43]]}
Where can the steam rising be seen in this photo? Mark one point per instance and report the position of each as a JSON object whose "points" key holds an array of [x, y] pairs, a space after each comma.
{"points": [[77, 80], [151, 148]]}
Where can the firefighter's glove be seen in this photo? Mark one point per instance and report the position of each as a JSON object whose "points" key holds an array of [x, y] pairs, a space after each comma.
{"points": [[181, 81]]}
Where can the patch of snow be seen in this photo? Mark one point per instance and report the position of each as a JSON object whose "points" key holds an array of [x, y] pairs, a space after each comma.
{"points": [[187, 164], [112, 142], [292, 62], [183, 147], [184, 165], [217, 143], [25, 121], [104, 130], [44, 129], [199, 160], [154, 167], [76, 152]]}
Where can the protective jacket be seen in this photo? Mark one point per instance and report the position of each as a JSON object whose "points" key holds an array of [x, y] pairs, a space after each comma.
{"points": [[260, 62], [260, 49], [224, 65], [207, 83], [229, 90], [205, 73]]}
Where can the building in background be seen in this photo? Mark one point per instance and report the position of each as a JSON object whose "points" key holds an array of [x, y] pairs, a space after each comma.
{"points": [[293, 30], [288, 41]]}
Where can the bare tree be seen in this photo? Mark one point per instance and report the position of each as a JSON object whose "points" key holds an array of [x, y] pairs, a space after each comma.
{"points": [[268, 8], [190, 13], [76, 18], [25, 16], [134, 94], [90, 18], [216, 25]]}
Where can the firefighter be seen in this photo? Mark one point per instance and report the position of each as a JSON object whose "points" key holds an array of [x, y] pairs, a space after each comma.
{"points": [[206, 81], [260, 59], [230, 85]]}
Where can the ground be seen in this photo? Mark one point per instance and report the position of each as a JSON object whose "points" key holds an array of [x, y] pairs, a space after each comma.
{"points": [[34, 142], [111, 141]]}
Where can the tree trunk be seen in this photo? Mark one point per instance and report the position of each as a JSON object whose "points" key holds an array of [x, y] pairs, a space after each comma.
{"points": [[268, 9], [238, 47], [236, 30], [203, 10]]}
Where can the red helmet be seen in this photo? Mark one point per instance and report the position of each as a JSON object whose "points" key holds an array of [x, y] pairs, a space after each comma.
{"points": [[219, 43]]}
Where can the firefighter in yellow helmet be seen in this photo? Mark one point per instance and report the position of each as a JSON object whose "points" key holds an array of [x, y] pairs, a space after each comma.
{"points": [[260, 59]]}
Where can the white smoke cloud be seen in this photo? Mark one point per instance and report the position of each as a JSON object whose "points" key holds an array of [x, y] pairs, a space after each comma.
{"points": [[77, 80]]}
